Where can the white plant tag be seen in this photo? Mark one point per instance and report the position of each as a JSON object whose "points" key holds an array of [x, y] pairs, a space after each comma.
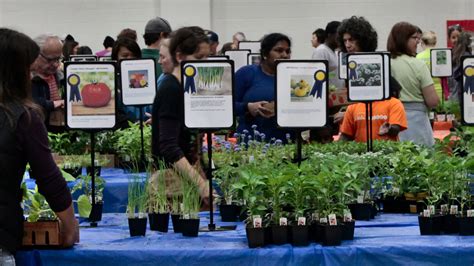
{"points": [[301, 220], [283, 221], [127, 158], [453, 210], [396, 190], [186, 216], [323, 220], [426, 213], [332, 219], [96, 162], [67, 166], [257, 222], [360, 199], [347, 217], [432, 115], [470, 213], [432, 209], [444, 209]]}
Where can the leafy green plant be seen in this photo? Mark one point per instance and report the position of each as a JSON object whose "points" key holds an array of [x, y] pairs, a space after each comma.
{"points": [[157, 198], [191, 200], [137, 196], [225, 177], [128, 144], [84, 201]]}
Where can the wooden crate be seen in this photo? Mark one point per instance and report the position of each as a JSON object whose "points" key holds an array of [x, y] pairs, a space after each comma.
{"points": [[41, 233]]}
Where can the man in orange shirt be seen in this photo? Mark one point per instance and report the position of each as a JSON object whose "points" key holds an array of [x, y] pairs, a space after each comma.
{"points": [[388, 118]]}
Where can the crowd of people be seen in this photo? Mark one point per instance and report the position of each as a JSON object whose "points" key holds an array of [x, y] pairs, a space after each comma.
{"points": [[31, 83]]}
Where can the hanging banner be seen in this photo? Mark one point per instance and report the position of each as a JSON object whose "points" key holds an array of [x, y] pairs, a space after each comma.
{"points": [[208, 94], [138, 79], [301, 93], [90, 95]]}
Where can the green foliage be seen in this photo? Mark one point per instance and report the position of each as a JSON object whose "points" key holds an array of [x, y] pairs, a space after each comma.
{"points": [[157, 198], [128, 143], [191, 200], [84, 201], [137, 196]]}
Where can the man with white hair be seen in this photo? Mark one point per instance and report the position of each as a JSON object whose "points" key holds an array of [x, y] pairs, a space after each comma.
{"points": [[46, 80]]}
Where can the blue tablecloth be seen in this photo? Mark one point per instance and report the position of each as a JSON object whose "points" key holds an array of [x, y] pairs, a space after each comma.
{"points": [[390, 239]]}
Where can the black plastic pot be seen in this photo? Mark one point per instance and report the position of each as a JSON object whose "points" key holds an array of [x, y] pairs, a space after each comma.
{"points": [[229, 213], [299, 235], [430, 225], [395, 205], [361, 211], [97, 170], [75, 172], [190, 227], [315, 232], [466, 226], [279, 234], [137, 226], [159, 221], [450, 224], [96, 212], [348, 230], [255, 237], [373, 212], [176, 220], [268, 236], [331, 234]]}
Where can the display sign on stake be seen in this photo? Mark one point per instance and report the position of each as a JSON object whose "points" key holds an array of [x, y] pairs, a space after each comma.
{"points": [[218, 57], [301, 93], [467, 103], [253, 59], [387, 71], [105, 58], [138, 79], [208, 94], [253, 46], [239, 57], [83, 58], [441, 62], [366, 75], [342, 66], [90, 95]]}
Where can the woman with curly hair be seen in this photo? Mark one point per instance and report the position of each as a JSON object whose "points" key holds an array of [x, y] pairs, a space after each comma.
{"points": [[356, 35]]}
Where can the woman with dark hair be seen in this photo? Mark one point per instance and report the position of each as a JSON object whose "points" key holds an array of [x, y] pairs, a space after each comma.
{"points": [[23, 139], [125, 48], [318, 37], [462, 48], [108, 44], [418, 94], [453, 34], [172, 142], [255, 88], [69, 48], [355, 34]]}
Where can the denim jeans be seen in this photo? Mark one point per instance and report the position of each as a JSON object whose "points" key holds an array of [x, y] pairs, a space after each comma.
{"points": [[6, 258]]}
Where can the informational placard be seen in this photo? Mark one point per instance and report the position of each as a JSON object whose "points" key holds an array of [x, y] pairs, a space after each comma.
{"points": [[386, 61], [218, 57], [253, 59], [83, 58], [208, 94], [90, 95], [239, 57], [138, 79], [342, 66], [441, 62], [468, 90], [365, 73], [105, 58], [253, 46], [301, 93]]}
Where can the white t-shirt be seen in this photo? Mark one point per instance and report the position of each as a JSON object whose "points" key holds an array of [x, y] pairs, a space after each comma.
{"points": [[323, 52]]}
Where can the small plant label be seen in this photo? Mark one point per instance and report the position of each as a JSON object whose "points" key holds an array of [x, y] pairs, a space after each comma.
{"points": [[470, 213], [426, 213], [432, 209], [257, 222], [444, 209], [301, 221], [432, 115], [323, 220], [396, 190], [251, 159], [453, 210], [347, 217], [186, 216], [332, 219], [315, 216], [283, 221], [360, 199]]}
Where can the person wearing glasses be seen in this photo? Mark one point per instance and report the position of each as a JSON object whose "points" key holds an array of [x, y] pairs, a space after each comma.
{"points": [[418, 93], [47, 80]]}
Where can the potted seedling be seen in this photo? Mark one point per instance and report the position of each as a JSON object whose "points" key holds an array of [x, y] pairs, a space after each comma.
{"points": [[129, 147], [190, 207], [176, 202], [276, 199], [71, 164], [84, 202], [429, 220], [466, 215], [158, 212], [136, 207], [226, 175], [251, 187]]}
